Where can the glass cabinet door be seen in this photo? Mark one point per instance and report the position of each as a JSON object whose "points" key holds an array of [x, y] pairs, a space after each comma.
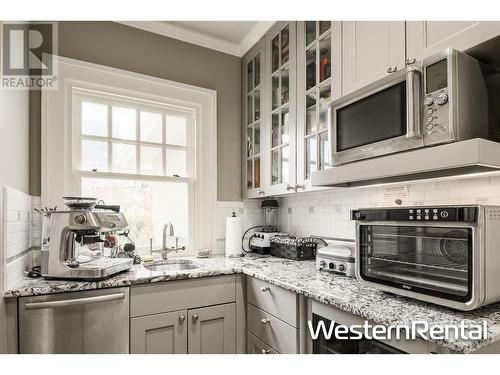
{"points": [[253, 72], [281, 78], [318, 83]]}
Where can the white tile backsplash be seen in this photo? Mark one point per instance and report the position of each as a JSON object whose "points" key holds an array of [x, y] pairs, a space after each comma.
{"points": [[21, 233]]}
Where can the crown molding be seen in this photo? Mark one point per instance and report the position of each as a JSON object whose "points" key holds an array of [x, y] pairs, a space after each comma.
{"points": [[203, 40]]}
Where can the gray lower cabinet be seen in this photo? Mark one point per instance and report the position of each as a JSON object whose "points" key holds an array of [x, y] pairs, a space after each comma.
{"points": [[159, 334], [256, 346], [212, 330]]}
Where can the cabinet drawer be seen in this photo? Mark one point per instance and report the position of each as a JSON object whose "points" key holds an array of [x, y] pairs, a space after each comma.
{"points": [[184, 294], [279, 335], [256, 346], [280, 302]]}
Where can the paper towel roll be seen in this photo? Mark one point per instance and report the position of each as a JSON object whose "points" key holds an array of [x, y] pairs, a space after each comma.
{"points": [[233, 236]]}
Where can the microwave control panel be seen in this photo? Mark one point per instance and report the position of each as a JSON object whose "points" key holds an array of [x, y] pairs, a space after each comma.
{"points": [[436, 101], [448, 213]]}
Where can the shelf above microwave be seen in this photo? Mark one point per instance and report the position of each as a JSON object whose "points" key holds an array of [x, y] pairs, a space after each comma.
{"points": [[453, 159]]}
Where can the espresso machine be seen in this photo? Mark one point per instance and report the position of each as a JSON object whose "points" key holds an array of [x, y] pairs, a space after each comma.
{"points": [[73, 241], [259, 241]]}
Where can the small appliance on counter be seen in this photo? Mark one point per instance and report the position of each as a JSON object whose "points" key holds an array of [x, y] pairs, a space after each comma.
{"points": [[338, 256], [291, 247], [233, 236], [259, 241], [73, 241], [447, 255]]}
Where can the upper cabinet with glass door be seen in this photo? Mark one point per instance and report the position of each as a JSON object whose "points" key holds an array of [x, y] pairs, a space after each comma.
{"points": [[319, 82], [281, 76], [253, 122]]}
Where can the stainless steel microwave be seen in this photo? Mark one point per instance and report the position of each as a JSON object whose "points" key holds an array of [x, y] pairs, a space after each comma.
{"points": [[447, 255], [443, 98]]}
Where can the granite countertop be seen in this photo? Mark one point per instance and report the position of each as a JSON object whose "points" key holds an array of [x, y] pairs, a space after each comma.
{"points": [[301, 277]]}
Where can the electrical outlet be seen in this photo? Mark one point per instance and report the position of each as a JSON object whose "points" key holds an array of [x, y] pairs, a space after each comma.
{"points": [[311, 209], [289, 210]]}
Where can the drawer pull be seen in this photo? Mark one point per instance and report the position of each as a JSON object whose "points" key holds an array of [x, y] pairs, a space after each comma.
{"points": [[266, 351], [264, 321], [265, 289], [195, 317], [182, 318]]}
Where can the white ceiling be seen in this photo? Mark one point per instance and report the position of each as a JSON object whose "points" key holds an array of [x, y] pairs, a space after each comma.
{"points": [[233, 37]]}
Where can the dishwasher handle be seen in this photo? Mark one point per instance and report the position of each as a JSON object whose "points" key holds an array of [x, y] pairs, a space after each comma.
{"points": [[73, 302]]}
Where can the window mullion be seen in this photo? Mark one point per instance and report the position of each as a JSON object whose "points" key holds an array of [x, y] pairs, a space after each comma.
{"points": [[137, 145], [110, 145]]}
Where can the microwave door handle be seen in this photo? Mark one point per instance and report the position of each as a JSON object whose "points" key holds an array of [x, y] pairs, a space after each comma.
{"points": [[413, 100]]}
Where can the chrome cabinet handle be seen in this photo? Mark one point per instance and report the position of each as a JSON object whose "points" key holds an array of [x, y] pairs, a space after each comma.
{"points": [[73, 302], [265, 289], [266, 351], [297, 187], [410, 61], [288, 187], [260, 192], [264, 321], [195, 317], [182, 318], [392, 69]]}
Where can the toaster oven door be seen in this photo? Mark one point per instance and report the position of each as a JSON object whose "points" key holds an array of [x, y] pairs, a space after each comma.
{"points": [[427, 259]]}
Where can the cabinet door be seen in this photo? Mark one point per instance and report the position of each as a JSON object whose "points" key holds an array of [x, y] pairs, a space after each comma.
{"points": [[370, 50], [319, 78], [212, 330], [159, 333], [254, 123], [256, 346], [281, 80], [424, 38]]}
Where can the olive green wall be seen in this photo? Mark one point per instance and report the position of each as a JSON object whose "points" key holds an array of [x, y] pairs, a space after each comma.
{"points": [[124, 47]]}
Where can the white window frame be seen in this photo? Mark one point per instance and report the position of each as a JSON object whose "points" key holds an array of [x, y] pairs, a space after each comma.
{"points": [[61, 135]]}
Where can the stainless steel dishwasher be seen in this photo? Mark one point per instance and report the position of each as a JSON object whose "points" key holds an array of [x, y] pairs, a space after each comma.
{"points": [[95, 321]]}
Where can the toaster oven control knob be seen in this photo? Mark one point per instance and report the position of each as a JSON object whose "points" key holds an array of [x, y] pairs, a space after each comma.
{"points": [[429, 101], [341, 268], [358, 215], [331, 266], [322, 264], [80, 219], [441, 99]]}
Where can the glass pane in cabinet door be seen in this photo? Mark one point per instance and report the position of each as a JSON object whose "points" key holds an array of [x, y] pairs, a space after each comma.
{"points": [[250, 76], [275, 52], [325, 59], [256, 139], [285, 51], [256, 75], [285, 163], [310, 156], [323, 26], [285, 93], [249, 109], [325, 92], [323, 115], [310, 115], [249, 141], [275, 167], [310, 68], [310, 32], [324, 151], [256, 105], [249, 174], [285, 120], [256, 173], [276, 91], [275, 130]]}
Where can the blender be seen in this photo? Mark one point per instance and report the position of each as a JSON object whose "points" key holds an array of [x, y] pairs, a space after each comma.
{"points": [[259, 241]]}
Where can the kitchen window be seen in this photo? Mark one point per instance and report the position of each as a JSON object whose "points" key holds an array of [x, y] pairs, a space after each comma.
{"points": [[142, 142]]}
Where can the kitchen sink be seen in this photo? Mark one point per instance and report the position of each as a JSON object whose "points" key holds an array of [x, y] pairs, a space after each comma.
{"points": [[173, 265]]}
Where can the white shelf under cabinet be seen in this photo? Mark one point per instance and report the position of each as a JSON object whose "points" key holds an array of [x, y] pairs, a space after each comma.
{"points": [[453, 159]]}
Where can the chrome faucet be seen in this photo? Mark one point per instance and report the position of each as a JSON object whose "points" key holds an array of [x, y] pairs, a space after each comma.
{"points": [[168, 228]]}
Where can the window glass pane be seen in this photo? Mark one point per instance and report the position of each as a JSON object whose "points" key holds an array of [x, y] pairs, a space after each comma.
{"points": [[275, 91], [257, 172], [249, 174], [275, 130], [250, 76], [310, 31], [94, 119], [256, 139], [151, 160], [94, 155], [310, 156], [323, 26], [256, 105], [310, 115], [323, 115], [124, 123], [276, 52], [143, 203], [285, 95], [285, 163], [324, 151], [176, 132], [176, 163], [325, 61], [257, 70], [151, 127], [285, 117], [284, 45], [124, 158], [249, 141], [249, 109], [275, 167], [310, 68]]}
